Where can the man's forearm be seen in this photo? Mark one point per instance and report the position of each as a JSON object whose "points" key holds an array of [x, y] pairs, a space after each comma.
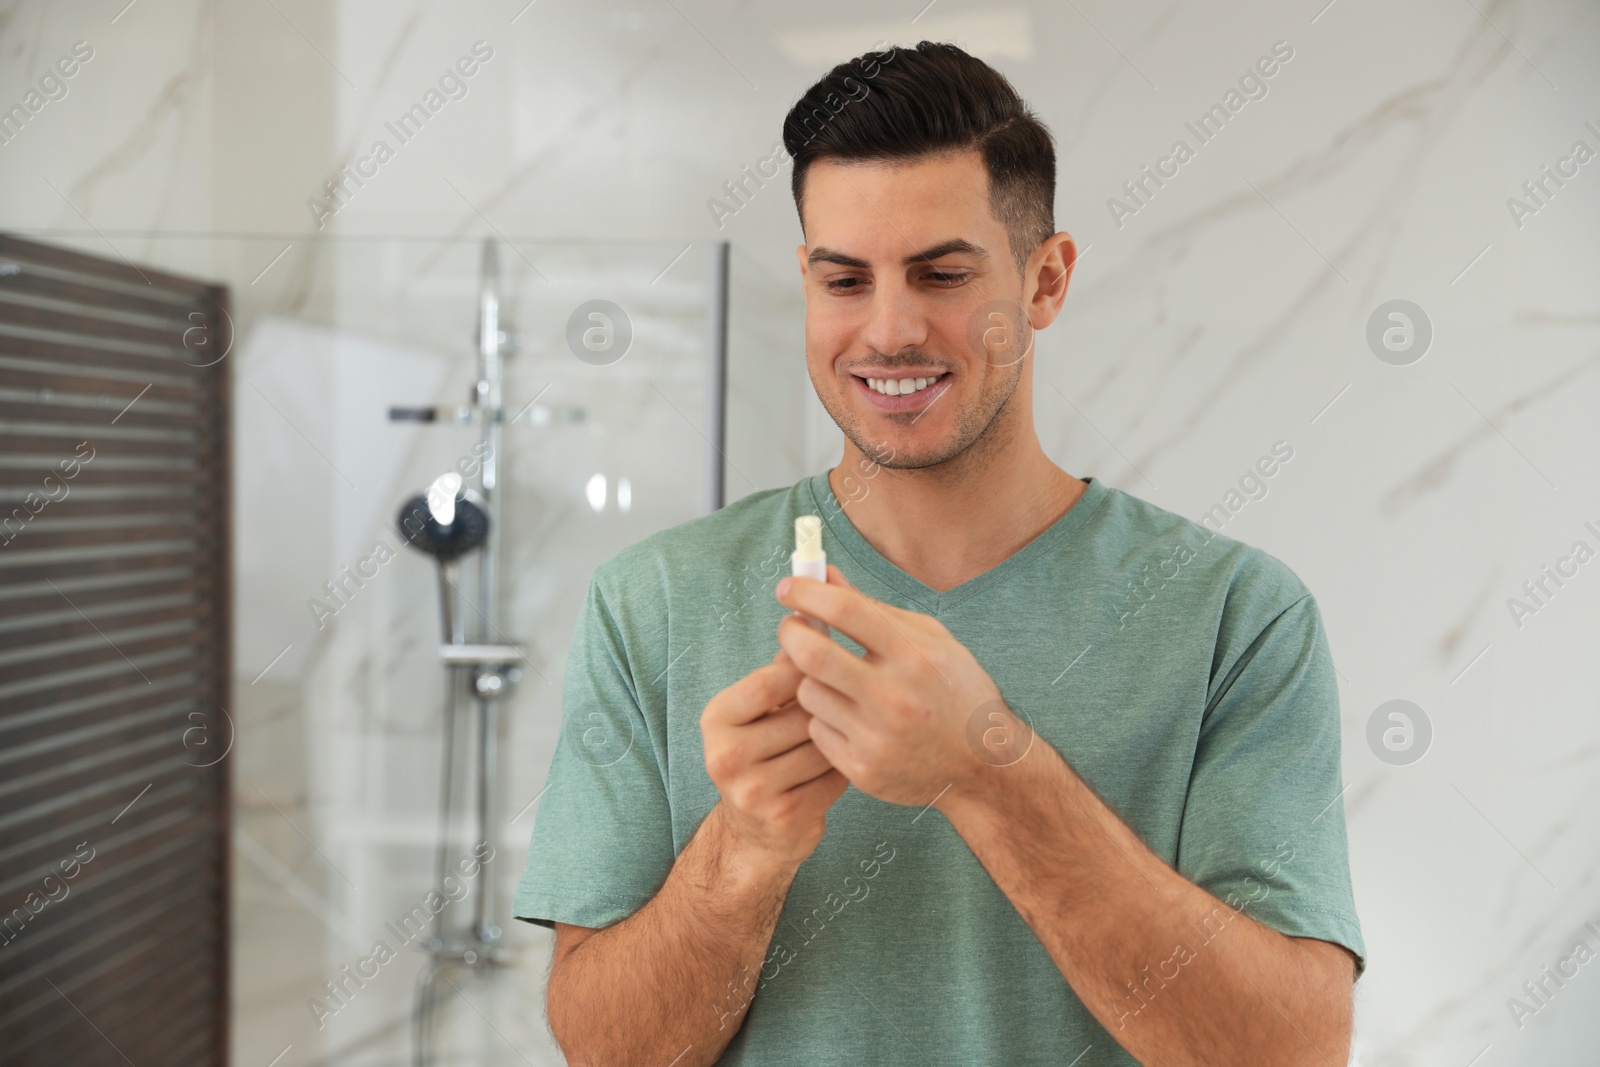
{"points": [[1176, 976], [675, 978]]}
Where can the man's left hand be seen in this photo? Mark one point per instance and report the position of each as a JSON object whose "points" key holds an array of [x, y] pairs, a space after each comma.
{"points": [[897, 721]]}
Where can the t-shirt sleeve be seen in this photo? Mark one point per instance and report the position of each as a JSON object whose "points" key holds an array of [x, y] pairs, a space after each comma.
{"points": [[602, 836], [1263, 829]]}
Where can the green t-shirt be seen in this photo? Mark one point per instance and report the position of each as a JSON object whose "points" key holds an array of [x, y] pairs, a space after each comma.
{"points": [[1184, 675]]}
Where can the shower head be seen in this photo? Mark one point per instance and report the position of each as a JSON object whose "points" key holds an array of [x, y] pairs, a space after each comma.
{"points": [[442, 498], [442, 522]]}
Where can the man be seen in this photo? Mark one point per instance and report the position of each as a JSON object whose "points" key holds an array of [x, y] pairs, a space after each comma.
{"points": [[1062, 786]]}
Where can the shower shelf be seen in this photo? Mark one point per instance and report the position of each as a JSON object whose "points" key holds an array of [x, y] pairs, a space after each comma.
{"points": [[481, 654], [465, 414]]}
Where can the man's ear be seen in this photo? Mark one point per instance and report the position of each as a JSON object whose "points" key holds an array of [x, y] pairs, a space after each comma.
{"points": [[1053, 261], [800, 254]]}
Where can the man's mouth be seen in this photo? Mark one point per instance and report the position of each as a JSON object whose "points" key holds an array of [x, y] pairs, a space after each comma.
{"points": [[904, 390]]}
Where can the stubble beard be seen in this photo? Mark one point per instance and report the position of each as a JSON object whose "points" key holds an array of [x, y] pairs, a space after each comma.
{"points": [[980, 427]]}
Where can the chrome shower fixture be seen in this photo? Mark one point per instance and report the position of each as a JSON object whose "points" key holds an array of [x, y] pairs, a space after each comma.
{"points": [[444, 522], [448, 522]]}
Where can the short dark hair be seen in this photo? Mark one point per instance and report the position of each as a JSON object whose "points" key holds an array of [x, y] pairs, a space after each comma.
{"points": [[906, 103]]}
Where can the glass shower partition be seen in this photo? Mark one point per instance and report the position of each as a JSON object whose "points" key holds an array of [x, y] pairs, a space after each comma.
{"points": [[615, 426]]}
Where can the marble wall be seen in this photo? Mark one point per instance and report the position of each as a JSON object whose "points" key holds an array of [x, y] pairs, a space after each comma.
{"points": [[1213, 315]]}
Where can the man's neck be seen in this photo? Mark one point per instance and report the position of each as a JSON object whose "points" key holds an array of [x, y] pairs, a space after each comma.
{"points": [[947, 524]]}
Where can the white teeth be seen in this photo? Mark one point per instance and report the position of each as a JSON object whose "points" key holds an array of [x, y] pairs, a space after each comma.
{"points": [[900, 386]]}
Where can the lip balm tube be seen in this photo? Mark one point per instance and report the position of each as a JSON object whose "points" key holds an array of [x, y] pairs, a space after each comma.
{"points": [[809, 561]]}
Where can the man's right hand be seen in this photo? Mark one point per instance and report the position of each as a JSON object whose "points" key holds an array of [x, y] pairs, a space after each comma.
{"points": [[776, 787]]}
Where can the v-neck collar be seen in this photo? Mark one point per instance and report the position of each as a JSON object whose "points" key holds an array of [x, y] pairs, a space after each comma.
{"points": [[845, 538]]}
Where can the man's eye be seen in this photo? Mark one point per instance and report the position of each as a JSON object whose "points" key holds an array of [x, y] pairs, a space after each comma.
{"points": [[949, 277], [842, 285]]}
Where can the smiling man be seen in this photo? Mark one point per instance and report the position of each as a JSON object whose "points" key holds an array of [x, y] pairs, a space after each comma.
{"points": [[1062, 786]]}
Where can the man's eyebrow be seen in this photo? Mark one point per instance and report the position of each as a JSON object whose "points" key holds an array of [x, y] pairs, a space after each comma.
{"points": [[955, 246], [823, 254]]}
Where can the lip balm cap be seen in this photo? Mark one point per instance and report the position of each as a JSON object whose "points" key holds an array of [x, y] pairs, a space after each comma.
{"points": [[807, 538]]}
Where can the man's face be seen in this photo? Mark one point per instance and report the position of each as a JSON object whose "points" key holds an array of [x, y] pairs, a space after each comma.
{"points": [[908, 276]]}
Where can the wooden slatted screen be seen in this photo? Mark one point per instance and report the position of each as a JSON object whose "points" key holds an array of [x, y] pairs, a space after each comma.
{"points": [[114, 662]]}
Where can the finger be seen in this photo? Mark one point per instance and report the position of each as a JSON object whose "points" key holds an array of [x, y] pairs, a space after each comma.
{"points": [[843, 607], [836, 577], [828, 704], [753, 695], [822, 790], [775, 733], [830, 742], [822, 657], [795, 768]]}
